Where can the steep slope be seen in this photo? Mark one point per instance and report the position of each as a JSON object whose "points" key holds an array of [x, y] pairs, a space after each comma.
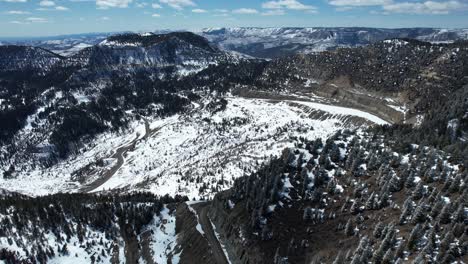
{"points": [[195, 154], [78, 228], [24, 58], [394, 78], [101, 88], [124, 79], [157, 113], [184, 51], [351, 199]]}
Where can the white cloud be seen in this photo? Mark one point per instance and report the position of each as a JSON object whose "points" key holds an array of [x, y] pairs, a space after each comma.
{"points": [[15, 1], [36, 20], [178, 4], [104, 18], [221, 10], [427, 7], [55, 8], [104, 4], [199, 11], [156, 15], [156, 6], [359, 2], [61, 8], [408, 7], [245, 11], [46, 3], [287, 4], [276, 12], [17, 12]]}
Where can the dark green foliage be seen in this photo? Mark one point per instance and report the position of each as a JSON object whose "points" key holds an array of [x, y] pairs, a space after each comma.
{"points": [[114, 215]]}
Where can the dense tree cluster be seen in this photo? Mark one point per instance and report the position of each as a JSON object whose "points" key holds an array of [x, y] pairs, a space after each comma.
{"points": [[116, 85], [29, 222], [355, 187]]}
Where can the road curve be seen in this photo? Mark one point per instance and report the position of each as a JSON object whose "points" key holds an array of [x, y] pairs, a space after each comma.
{"points": [[119, 155]]}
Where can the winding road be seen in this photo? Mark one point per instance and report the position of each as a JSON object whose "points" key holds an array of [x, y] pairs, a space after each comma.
{"points": [[119, 155], [120, 151]]}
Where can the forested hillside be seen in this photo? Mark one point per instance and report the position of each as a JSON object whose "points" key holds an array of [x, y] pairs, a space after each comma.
{"points": [[350, 199], [80, 228]]}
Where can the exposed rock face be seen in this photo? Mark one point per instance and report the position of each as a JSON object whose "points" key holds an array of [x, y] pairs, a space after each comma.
{"points": [[192, 244], [232, 224], [181, 50]]}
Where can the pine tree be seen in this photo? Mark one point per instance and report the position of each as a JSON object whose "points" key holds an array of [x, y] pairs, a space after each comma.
{"points": [[407, 210], [349, 229], [459, 215], [378, 230], [388, 257], [437, 208], [410, 181], [359, 253], [340, 258], [419, 215], [455, 186], [418, 192], [444, 216], [414, 237]]}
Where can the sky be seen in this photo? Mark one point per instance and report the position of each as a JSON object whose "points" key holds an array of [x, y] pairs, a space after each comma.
{"points": [[20, 18]]}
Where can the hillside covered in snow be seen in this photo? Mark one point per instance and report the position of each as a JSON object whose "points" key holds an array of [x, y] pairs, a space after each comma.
{"points": [[101, 150]]}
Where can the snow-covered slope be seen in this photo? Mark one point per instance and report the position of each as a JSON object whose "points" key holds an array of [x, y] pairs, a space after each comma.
{"points": [[195, 154]]}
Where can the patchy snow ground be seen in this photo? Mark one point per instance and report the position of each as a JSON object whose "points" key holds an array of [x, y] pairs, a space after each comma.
{"points": [[200, 154], [194, 154], [199, 227], [163, 237], [76, 251], [33, 180]]}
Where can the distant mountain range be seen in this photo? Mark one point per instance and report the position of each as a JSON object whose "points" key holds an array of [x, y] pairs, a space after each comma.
{"points": [[276, 42], [266, 42]]}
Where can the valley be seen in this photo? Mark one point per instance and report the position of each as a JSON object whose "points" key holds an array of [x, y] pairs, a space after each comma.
{"points": [[206, 144], [177, 148]]}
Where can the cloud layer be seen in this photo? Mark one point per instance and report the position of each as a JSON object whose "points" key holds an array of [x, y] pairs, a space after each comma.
{"points": [[403, 7]]}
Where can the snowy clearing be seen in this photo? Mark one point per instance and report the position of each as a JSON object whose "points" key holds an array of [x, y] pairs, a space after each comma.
{"points": [[195, 154]]}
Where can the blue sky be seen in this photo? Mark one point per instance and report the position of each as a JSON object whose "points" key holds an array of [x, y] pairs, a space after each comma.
{"points": [[54, 17]]}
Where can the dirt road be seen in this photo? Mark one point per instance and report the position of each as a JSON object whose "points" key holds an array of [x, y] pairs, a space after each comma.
{"points": [[119, 155]]}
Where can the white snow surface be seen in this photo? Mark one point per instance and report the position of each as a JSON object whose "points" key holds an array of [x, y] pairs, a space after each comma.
{"points": [[214, 148], [193, 211], [194, 154], [163, 238]]}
